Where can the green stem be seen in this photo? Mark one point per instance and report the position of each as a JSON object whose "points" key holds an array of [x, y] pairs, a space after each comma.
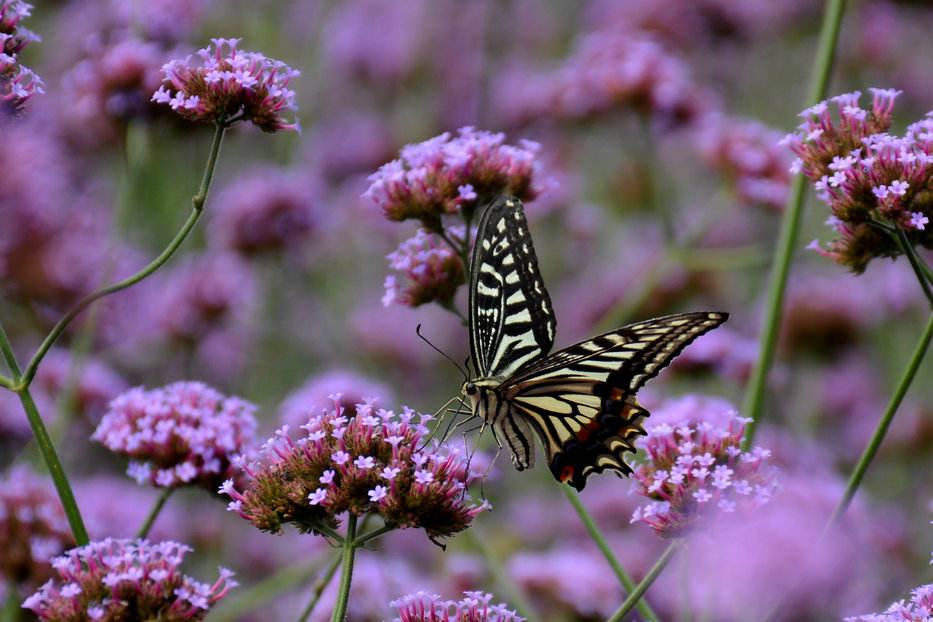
{"points": [[46, 448], [346, 571], [375, 533], [921, 270], [875, 443], [320, 584], [154, 512], [790, 228], [653, 574], [597, 536], [197, 203]]}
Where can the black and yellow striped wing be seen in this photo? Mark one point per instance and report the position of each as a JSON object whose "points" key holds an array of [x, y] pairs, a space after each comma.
{"points": [[511, 319], [580, 401]]}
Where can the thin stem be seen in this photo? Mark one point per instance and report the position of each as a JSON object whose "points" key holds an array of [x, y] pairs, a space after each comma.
{"points": [[320, 584], [653, 574], [597, 536], [154, 512], [197, 203], [46, 448], [790, 228], [856, 478], [916, 263], [375, 533], [346, 571]]}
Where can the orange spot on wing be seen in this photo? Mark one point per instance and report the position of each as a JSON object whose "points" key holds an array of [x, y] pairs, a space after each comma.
{"points": [[586, 430], [566, 473]]}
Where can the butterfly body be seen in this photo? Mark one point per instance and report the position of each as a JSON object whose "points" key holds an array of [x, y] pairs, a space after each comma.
{"points": [[579, 401]]}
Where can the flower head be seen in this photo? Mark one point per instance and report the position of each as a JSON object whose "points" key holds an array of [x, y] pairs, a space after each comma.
{"points": [[229, 87], [446, 175], [874, 182], [17, 84], [432, 267], [266, 211], [474, 607], [126, 580], [695, 472], [340, 465], [917, 610], [33, 529], [182, 434]]}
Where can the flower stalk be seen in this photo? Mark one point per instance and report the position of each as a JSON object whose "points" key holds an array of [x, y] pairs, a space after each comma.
{"points": [[639, 591], [790, 230]]}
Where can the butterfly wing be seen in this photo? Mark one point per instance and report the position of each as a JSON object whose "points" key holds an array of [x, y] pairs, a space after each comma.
{"points": [[511, 319], [581, 400]]}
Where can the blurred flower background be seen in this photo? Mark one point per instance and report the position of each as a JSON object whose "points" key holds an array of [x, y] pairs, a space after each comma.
{"points": [[657, 125]]}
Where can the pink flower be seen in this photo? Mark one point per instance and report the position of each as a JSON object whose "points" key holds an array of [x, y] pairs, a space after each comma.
{"points": [[230, 87], [433, 270], [871, 179], [446, 175], [182, 434], [126, 580], [33, 529], [474, 607], [350, 456], [694, 472]]}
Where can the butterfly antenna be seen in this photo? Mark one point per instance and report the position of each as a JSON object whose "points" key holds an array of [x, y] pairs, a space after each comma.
{"points": [[441, 352]]}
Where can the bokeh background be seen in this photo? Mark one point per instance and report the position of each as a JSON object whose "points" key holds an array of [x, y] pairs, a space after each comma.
{"points": [[659, 124]]}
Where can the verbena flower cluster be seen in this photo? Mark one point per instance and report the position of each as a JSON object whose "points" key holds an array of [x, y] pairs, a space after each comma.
{"points": [[184, 434], [609, 69], [115, 580], [369, 462], [695, 472], [474, 607], [17, 83], [919, 609], [230, 86], [449, 175], [747, 152], [433, 270], [33, 529], [874, 182]]}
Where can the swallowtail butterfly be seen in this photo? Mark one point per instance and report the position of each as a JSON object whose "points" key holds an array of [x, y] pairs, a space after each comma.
{"points": [[581, 400]]}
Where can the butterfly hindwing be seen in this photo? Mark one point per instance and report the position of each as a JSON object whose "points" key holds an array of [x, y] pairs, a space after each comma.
{"points": [[579, 401], [511, 318]]}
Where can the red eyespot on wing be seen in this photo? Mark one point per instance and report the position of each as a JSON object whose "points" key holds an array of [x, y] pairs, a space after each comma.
{"points": [[566, 474]]}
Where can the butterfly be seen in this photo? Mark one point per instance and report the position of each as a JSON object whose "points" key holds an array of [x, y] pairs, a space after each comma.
{"points": [[580, 401]]}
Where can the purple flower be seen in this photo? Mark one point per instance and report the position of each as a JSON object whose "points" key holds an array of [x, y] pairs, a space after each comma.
{"points": [[695, 472], [474, 607], [873, 181], [33, 529], [230, 87], [349, 388], [182, 434], [738, 566], [205, 294], [126, 580], [433, 270], [425, 182], [916, 610], [108, 88], [747, 153], [17, 83], [265, 211], [610, 68], [286, 484]]}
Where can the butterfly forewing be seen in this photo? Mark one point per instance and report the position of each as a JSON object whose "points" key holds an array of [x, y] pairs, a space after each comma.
{"points": [[511, 319], [580, 401]]}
